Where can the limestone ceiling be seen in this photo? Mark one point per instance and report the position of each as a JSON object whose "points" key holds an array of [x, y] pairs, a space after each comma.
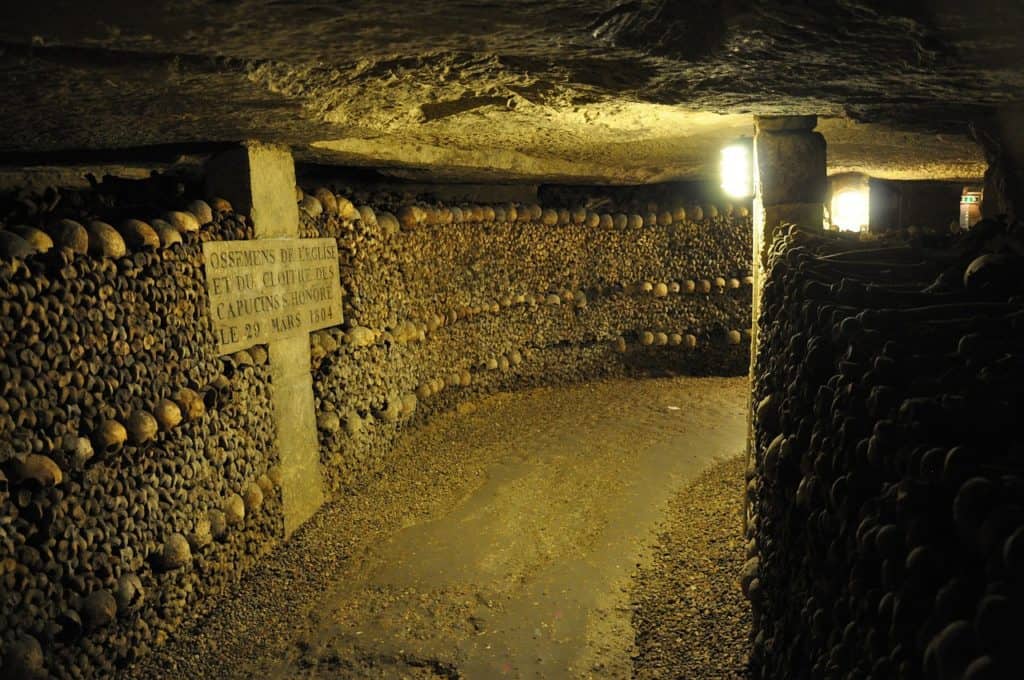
{"points": [[539, 90]]}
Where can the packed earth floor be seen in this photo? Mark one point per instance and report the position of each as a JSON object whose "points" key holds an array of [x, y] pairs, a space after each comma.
{"points": [[571, 532]]}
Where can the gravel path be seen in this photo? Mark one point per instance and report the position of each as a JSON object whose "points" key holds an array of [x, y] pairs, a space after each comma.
{"points": [[502, 543], [691, 619]]}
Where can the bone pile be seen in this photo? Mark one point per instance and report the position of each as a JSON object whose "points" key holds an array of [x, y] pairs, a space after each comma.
{"points": [[139, 473], [445, 304], [887, 487], [136, 467]]}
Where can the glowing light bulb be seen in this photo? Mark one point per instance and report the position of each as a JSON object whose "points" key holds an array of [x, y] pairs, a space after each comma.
{"points": [[850, 209], [736, 172]]}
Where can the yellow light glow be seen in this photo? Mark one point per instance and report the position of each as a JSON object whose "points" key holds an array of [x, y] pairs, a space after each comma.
{"points": [[737, 175], [850, 210]]}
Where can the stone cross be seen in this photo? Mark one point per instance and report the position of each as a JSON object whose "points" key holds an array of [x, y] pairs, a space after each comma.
{"points": [[275, 289]]}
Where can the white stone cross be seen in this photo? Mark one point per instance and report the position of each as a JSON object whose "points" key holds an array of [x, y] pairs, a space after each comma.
{"points": [[259, 180]]}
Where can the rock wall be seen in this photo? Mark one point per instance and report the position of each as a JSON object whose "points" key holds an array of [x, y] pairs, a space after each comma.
{"points": [[139, 476], [886, 491], [446, 304]]}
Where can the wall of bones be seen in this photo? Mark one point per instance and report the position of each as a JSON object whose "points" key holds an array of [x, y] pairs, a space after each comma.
{"points": [[886, 493], [137, 469], [139, 474], [447, 303]]}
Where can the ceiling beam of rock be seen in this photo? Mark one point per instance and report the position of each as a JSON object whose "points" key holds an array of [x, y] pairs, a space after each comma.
{"points": [[626, 92]]}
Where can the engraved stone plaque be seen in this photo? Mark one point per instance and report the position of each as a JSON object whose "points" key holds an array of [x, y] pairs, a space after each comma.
{"points": [[268, 289]]}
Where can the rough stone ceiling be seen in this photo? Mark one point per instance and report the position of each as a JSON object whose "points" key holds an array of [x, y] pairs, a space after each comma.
{"points": [[542, 90]]}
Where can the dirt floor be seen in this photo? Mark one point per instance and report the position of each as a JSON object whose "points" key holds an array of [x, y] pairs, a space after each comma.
{"points": [[518, 540]]}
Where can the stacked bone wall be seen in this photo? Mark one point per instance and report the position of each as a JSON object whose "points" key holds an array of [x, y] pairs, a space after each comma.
{"points": [[138, 470], [135, 465], [887, 487], [446, 304]]}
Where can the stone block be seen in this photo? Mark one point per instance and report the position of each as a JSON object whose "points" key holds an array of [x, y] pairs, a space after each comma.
{"points": [[259, 180], [808, 215], [791, 167], [785, 123], [301, 482]]}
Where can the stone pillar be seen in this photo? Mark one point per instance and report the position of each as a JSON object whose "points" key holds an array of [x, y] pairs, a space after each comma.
{"points": [[259, 179], [790, 183], [1001, 137], [790, 179]]}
